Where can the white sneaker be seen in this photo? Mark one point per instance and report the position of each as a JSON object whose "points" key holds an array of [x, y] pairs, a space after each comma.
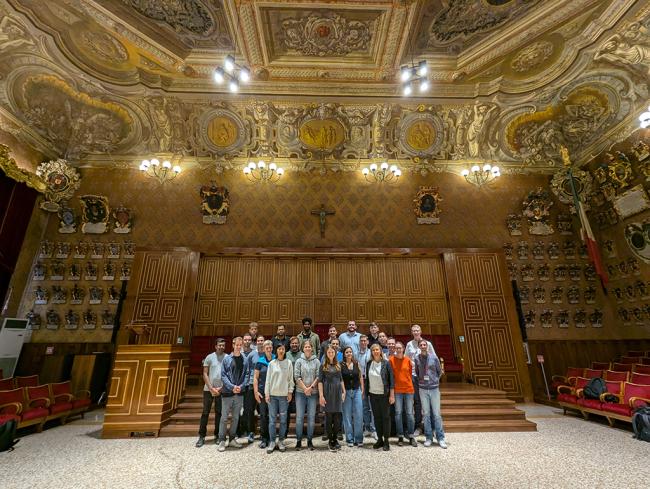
{"points": [[367, 434], [271, 447], [416, 432], [222, 446], [281, 446], [428, 443], [442, 443], [374, 435], [235, 444]]}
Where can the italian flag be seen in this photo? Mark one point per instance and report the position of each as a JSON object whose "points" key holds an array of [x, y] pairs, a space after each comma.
{"points": [[587, 235]]}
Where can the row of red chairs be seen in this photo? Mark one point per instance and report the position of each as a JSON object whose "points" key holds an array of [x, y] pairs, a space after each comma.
{"points": [[615, 372], [16, 382], [36, 404], [619, 402]]}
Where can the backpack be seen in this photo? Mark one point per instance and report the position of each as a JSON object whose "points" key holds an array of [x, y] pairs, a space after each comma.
{"points": [[594, 388], [7, 435], [641, 423]]}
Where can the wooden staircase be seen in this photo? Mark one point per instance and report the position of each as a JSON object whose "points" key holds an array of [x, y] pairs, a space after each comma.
{"points": [[465, 408]]}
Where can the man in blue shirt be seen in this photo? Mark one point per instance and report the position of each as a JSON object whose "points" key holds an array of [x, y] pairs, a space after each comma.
{"points": [[350, 338]]}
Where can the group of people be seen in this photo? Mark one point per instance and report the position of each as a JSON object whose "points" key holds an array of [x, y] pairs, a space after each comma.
{"points": [[364, 384]]}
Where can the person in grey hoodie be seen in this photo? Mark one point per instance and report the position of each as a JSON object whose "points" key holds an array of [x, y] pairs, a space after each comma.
{"points": [[305, 372], [278, 393], [428, 371]]}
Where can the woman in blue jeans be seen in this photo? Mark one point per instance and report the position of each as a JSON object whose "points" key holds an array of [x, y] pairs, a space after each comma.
{"points": [[278, 392], [305, 372], [353, 404]]}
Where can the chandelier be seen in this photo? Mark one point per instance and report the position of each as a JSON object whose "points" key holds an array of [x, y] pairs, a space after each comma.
{"points": [[414, 76], [383, 173], [162, 172], [260, 172], [480, 177], [231, 73], [644, 119]]}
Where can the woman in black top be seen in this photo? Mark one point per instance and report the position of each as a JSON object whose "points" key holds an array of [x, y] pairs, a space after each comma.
{"points": [[353, 405], [332, 395]]}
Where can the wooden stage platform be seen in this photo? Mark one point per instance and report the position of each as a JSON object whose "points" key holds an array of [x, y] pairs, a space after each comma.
{"points": [[465, 408]]}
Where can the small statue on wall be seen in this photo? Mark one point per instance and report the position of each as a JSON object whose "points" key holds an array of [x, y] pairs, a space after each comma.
{"points": [[564, 224], [97, 250], [513, 270], [40, 296], [122, 220], [522, 250], [74, 271], [623, 315], [53, 319], [33, 320], [91, 271], [45, 249], [108, 319], [646, 310], [543, 272], [536, 208], [539, 294], [129, 249], [582, 251], [618, 294], [560, 273], [77, 294], [596, 318], [125, 271], [610, 248], [575, 272], [580, 318], [80, 249], [569, 249], [39, 271], [562, 318], [427, 209], [109, 271], [546, 318], [641, 289], [90, 319], [507, 249], [62, 249], [637, 314], [538, 250], [590, 272], [573, 294], [71, 320], [623, 269], [96, 295], [529, 318], [630, 293], [554, 250], [113, 295], [612, 271], [556, 294], [590, 294], [633, 266], [113, 250], [524, 294], [527, 273], [513, 221], [57, 270], [59, 294]]}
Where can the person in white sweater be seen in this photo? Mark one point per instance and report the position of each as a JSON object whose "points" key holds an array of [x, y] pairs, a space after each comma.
{"points": [[278, 391]]}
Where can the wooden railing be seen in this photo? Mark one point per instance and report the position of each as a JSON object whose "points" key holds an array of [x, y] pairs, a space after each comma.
{"points": [[147, 383]]}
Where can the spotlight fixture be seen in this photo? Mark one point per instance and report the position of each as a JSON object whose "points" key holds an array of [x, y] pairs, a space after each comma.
{"points": [[414, 74], [383, 173], [163, 172], [644, 119], [231, 73], [481, 176], [260, 172]]}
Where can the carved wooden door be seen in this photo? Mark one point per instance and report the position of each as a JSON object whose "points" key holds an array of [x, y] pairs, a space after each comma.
{"points": [[483, 312]]}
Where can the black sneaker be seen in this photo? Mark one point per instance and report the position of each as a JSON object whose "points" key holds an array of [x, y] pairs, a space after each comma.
{"points": [[400, 441], [331, 447], [310, 445], [324, 438], [386, 447], [413, 443], [200, 442], [378, 445], [337, 445], [298, 445]]}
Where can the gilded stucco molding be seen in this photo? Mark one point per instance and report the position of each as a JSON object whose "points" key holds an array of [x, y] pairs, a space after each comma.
{"points": [[13, 171]]}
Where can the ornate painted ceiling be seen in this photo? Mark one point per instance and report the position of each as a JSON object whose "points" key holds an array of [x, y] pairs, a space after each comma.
{"points": [[106, 82]]}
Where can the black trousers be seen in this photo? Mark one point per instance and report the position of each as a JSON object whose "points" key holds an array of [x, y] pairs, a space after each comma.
{"points": [[208, 400], [333, 425], [247, 421], [263, 410], [381, 412], [416, 404]]}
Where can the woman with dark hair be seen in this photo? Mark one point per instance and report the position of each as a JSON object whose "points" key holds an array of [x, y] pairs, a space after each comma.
{"points": [[332, 395], [380, 385], [279, 391], [353, 405]]}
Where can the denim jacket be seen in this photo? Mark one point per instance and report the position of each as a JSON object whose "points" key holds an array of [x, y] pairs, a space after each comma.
{"points": [[227, 372]]}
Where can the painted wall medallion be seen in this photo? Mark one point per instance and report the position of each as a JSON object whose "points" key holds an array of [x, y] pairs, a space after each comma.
{"points": [[427, 207], [321, 134], [94, 214], [67, 220], [420, 133], [215, 204], [122, 220], [222, 131], [62, 181], [637, 237]]}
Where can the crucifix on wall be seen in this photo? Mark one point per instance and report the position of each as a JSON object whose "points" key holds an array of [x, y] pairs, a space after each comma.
{"points": [[322, 213]]}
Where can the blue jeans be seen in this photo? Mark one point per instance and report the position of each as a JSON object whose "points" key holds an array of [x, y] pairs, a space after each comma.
{"points": [[353, 416], [278, 405], [309, 402], [404, 404], [368, 421], [430, 399]]}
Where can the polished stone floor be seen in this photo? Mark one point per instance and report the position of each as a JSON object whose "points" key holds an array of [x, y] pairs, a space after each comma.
{"points": [[566, 452]]}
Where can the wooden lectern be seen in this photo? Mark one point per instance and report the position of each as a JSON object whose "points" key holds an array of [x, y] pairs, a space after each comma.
{"points": [[138, 334]]}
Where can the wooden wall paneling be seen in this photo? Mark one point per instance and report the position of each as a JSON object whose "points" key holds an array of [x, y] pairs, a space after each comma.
{"points": [[395, 277], [323, 277], [361, 278], [266, 277], [304, 270], [228, 277], [341, 277], [380, 310], [247, 277], [304, 308], [417, 273], [323, 310], [378, 277], [147, 383]]}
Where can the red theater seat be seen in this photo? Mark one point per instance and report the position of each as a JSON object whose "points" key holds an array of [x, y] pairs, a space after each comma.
{"points": [[567, 395], [635, 353], [29, 381], [6, 384], [600, 365], [617, 376], [61, 393], [13, 403], [591, 373], [645, 361], [631, 360], [633, 397], [41, 396], [622, 367], [641, 379], [642, 369], [569, 379]]}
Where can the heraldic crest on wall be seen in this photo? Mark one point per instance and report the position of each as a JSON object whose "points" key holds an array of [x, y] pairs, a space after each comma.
{"points": [[67, 220], [536, 208], [426, 207], [61, 180], [122, 220], [94, 214], [215, 204]]}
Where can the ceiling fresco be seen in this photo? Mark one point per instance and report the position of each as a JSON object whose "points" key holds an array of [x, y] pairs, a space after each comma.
{"points": [[105, 82]]}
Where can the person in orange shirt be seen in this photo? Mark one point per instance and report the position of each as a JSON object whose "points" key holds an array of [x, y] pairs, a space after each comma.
{"points": [[402, 369]]}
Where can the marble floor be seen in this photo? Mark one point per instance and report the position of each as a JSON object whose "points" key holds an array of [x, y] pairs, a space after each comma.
{"points": [[566, 452]]}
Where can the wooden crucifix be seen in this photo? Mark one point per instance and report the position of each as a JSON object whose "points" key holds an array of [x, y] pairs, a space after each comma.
{"points": [[322, 213]]}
